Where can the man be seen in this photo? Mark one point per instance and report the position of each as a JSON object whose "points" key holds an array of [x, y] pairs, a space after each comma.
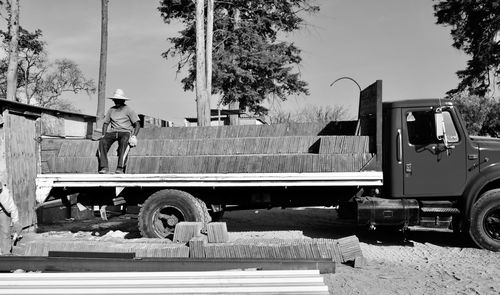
{"points": [[124, 129], [8, 215]]}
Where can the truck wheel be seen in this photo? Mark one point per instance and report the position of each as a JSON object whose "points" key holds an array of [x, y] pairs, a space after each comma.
{"points": [[164, 209], [485, 221]]}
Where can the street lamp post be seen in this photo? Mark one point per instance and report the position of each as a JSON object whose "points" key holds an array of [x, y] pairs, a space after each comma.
{"points": [[347, 78]]}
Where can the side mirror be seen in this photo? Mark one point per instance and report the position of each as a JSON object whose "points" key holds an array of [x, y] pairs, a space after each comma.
{"points": [[439, 123]]}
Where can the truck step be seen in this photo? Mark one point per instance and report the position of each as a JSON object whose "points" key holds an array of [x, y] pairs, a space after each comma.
{"points": [[437, 210]]}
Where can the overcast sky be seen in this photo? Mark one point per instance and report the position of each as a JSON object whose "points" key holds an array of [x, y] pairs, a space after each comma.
{"points": [[396, 41]]}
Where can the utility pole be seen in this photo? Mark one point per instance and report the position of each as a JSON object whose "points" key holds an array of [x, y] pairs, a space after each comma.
{"points": [[234, 106], [202, 103], [101, 89], [208, 49]]}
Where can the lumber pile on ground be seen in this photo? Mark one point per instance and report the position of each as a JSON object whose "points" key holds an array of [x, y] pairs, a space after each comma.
{"points": [[216, 243], [141, 247], [274, 148], [185, 231], [191, 282]]}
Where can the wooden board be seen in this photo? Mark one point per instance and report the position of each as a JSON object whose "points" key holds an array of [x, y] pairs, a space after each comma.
{"points": [[22, 164], [273, 130], [220, 164], [280, 148]]}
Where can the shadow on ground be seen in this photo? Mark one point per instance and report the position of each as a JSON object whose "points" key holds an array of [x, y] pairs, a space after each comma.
{"points": [[98, 227], [313, 222]]}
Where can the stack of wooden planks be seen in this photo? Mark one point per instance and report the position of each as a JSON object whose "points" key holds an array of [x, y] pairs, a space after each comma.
{"points": [[185, 231], [275, 148], [339, 250], [141, 247], [198, 282], [216, 243], [217, 232]]}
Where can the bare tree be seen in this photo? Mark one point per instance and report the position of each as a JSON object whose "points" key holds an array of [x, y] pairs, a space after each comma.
{"points": [[64, 76], [101, 90], [310, 114]]}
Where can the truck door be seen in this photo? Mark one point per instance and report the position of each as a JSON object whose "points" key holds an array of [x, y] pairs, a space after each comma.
{"points": [[431, 169]]}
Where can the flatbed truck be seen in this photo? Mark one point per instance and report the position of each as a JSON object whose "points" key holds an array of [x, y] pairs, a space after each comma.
{"points": [[424, 170]]}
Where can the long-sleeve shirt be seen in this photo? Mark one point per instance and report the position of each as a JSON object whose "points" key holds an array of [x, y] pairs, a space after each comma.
{"points": [[8, 204]]}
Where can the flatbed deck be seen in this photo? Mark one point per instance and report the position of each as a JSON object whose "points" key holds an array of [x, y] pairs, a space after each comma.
{"points": [[45, 182]]}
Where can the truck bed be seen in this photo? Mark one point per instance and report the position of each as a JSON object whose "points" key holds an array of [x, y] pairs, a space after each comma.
{"points": [[279, 155], [45, 182]]}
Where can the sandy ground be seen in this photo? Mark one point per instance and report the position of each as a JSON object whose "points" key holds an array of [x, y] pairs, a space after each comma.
{"points": [[423, 262]]}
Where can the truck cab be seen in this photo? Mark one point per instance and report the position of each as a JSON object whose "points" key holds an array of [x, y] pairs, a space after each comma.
{"points": [[436, 174]]}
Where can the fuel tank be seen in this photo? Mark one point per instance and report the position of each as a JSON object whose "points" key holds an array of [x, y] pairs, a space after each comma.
{"points": [[373, 211]]}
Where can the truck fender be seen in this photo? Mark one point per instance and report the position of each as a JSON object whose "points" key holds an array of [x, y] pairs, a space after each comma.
{"points": [[489, 178]]}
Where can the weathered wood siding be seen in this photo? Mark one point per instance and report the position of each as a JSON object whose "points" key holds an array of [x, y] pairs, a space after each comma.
{"points": [[61, 126], [222, 149], [21, 163]]}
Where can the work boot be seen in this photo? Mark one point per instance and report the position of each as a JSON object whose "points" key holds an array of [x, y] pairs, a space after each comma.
{"points": [[119, 170], [103, 171]]}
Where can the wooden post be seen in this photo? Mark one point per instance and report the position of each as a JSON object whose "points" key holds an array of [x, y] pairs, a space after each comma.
{"points": [[101, 92], [208, 49], [234, 106], [202, 103]]}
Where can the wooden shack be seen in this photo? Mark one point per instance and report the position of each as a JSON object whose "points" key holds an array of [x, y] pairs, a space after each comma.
{"points": [[22, 128]]}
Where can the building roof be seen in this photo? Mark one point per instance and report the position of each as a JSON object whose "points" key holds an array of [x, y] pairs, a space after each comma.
{"points": [[36, 110]]}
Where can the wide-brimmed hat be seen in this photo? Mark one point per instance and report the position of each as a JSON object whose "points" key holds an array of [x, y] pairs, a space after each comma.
{"points": [[119, 94]]}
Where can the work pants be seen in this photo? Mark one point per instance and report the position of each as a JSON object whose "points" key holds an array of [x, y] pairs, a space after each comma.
{"points": [[106, 142], [5, 238]]}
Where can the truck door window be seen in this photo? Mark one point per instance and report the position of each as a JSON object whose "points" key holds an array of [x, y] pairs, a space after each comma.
{"points": [[421, 128]]}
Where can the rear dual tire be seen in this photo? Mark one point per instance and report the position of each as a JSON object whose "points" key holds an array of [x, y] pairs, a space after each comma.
{"points": [[163, 210]]}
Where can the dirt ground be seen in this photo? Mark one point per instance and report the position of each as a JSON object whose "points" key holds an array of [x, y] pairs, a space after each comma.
{"points": [[423, 262]]}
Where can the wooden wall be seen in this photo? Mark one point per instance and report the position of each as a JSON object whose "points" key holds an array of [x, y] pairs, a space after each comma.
{"points": [[21, 162], [21, 128], [312, 147]]}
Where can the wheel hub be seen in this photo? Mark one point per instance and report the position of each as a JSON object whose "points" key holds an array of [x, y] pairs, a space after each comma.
{"points": [[492, 224], [165, 220], [172, 220]]}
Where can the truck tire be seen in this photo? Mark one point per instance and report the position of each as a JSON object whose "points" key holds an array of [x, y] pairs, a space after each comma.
{"points": [[485, 221], [164, 209]]}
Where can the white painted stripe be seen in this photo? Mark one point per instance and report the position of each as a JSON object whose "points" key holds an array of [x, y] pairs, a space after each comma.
{"points": [[160, 275]]}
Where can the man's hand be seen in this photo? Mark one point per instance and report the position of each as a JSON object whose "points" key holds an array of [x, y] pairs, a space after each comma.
{"points": [[132, 141], [97, 136], [16, 229]]}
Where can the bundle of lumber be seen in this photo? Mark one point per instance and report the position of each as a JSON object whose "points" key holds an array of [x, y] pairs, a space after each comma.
{"points": [[141, 247], [193, 282], [286, 148], [214, 242], [218, 244], [339, 250]]}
